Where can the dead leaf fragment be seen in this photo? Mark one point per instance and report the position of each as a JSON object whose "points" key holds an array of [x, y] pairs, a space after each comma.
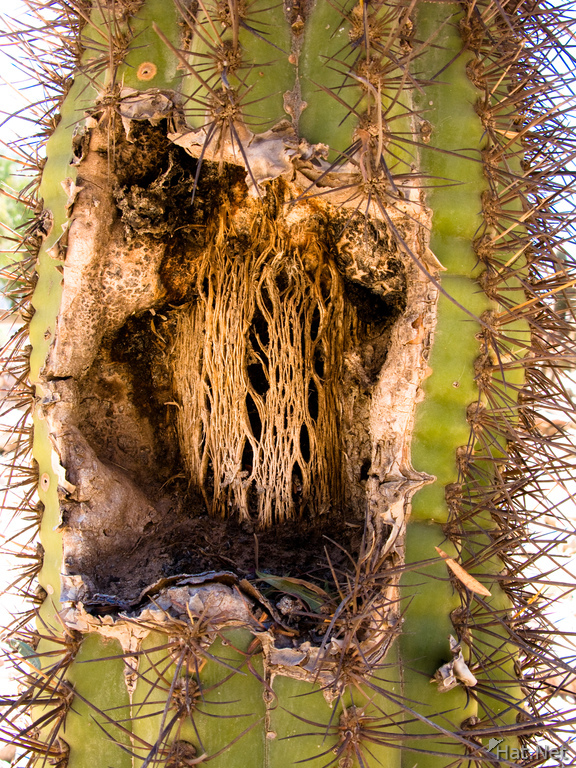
{"points": [[455, 672], [469, 581]]}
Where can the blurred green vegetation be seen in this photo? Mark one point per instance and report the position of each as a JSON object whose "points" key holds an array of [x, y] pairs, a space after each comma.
{"points": [[13, 217]]}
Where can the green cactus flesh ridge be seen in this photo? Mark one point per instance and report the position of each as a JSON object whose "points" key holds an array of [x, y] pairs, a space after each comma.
{"points": [[274, 228]]}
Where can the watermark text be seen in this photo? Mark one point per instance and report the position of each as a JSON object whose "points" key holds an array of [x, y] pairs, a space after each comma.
{"points": [[516, 754]]}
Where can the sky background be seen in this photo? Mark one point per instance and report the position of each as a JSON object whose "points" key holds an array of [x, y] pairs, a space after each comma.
{"points": [[17, 92], [11, 77]]}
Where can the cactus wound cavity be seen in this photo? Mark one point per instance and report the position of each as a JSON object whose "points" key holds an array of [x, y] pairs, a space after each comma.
{"points": [[279, 352]]}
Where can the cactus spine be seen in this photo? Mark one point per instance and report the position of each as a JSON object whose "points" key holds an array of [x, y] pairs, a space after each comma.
{"points": [[296, 302]]}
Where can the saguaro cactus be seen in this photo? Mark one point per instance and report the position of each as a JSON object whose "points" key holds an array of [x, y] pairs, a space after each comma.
{"points": [[300, 293]]}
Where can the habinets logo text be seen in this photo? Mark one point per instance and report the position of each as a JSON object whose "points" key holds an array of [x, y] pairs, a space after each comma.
{"points": [[515, 754]]}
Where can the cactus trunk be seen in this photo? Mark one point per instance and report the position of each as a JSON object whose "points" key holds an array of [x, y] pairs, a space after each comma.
{"points": [[297, 295]]}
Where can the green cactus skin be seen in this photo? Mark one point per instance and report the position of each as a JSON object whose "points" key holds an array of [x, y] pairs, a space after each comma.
{"points": [[253, 58], [249, 66], [97, 677], [452, 387], [150, 716], [338, 69], [148, 47], [328, 24], [46, 303]]}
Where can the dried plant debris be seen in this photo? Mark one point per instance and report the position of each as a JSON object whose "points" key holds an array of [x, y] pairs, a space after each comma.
{"points": [[299, 314]]}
